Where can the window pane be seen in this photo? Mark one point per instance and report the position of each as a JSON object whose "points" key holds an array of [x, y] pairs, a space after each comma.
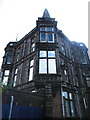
{"points": [[88, 83], [42, 66], [42, 37], [87, 78], [42, 54], [42, 29], [9, 59], [5, 80], [15, 79], [16, 71], [10, 53], [51, 53], [63, 50], [65, 94], [65, 72], [52, 66], [72, 108], [50, 37], [33, 47], [70, 95], [6, 72], [50, 29], [31, 74], [31, 63], [67, 109]]}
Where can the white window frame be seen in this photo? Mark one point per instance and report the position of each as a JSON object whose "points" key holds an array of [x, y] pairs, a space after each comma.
{"points": [[48, 65], [46, 31]]}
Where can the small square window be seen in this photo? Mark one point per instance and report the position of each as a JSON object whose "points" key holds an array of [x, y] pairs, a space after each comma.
{"points": [[51, 53]]}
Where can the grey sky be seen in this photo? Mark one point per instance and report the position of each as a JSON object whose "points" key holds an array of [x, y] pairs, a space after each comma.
{"points": [[19, 17]]}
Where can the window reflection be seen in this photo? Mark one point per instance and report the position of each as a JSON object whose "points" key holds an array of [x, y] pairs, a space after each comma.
{"points": [[31, 70], [9, 59], [47, 34], [51, 53], [63, 49], [72, 108], [43, 37], [52, 66], [42, 54], [5, 77], [70, 95], [9, 55], [6, 72], [32, 45], [43, 66], [42, 29], [67, 109], [65, 94], [31, 74], [50, 37], [69, 106], [15, 77], [47, 62], [31, 63], [48, 29]]}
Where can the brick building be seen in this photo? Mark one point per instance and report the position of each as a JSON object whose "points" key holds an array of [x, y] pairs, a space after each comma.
{"points": [[45, 62]]}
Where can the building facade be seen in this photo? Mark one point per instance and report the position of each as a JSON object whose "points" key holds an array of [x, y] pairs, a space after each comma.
{"points": [[45, 62]]}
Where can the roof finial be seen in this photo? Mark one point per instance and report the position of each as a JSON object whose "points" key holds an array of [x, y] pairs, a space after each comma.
{"points": [[16, 37], [46, 14]]}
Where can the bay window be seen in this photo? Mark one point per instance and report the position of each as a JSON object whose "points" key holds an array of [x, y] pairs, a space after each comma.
{"points": [[47, 34], [9, 57], [47, 62]]}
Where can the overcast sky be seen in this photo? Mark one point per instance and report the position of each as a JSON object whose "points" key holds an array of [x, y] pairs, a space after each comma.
{"points": [[18, 17]]}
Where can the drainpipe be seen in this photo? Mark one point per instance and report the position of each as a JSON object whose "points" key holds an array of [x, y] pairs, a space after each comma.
{"points": [[11, 105]]}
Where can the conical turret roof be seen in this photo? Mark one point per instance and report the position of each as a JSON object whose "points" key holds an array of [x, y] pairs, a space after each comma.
{"points": [[46, 14]]}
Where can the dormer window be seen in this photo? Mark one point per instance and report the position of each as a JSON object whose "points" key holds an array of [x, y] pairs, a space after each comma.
{"points": [[47, 34]]}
